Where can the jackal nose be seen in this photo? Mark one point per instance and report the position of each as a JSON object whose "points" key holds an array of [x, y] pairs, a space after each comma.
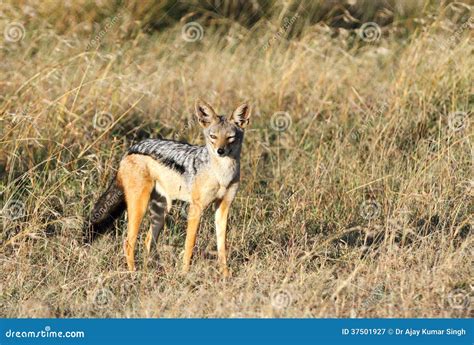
{"points": [[220, 151]]}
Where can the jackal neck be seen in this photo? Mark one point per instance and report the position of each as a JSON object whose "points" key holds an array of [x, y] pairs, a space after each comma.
{"points": [[225, 169]]}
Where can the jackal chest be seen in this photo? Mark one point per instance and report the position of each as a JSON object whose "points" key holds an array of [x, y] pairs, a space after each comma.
{"points": [[225, 174], [214, 182], [209, 189]]}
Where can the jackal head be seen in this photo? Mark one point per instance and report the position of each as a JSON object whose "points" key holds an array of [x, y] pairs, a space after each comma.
{"points": [[224, 135]]}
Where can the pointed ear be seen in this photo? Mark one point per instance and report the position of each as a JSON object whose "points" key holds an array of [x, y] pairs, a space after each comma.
{"points": [[205, 114], [241, 115]]}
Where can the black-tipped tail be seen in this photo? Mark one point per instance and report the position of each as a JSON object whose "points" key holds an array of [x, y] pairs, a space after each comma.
{"points": [[107, 209]]}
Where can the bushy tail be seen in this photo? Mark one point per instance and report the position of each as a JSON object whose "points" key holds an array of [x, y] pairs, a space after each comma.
{"points": [[108, 208]]}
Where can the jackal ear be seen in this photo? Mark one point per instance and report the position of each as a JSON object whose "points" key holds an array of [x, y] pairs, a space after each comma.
{"points": [[241, 115], [205, 114]]}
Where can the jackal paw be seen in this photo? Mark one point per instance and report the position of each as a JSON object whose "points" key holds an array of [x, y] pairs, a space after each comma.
{"points": [[185, 270]]}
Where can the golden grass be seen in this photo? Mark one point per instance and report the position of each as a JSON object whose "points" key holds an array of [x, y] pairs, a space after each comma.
{"points": [[361, 206]]}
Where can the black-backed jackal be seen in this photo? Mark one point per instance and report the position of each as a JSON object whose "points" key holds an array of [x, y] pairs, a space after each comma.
{"points": [[155, 172]]}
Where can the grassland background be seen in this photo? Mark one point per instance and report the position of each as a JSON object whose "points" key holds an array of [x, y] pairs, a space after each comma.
{"points": [[356, 193]]}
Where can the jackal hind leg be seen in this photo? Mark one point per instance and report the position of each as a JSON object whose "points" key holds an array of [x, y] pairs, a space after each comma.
{"points": [[194, 216], [157, 211], [137, 187]]}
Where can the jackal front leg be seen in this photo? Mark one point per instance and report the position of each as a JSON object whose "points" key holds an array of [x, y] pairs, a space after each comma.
{"points": [[222, 213], [194, 216]]}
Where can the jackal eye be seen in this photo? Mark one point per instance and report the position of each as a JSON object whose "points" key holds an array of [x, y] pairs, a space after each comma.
{"points": [[231, 138], [212, 136]]}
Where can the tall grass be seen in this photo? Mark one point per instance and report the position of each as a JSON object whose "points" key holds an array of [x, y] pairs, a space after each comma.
{"points": [[356, 194]]}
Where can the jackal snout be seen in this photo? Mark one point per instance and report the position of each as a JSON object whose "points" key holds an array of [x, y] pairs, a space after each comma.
{"points": [[222, 140]]}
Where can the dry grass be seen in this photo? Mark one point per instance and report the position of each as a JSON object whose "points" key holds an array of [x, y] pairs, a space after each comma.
{"points": [[361, 207]]}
